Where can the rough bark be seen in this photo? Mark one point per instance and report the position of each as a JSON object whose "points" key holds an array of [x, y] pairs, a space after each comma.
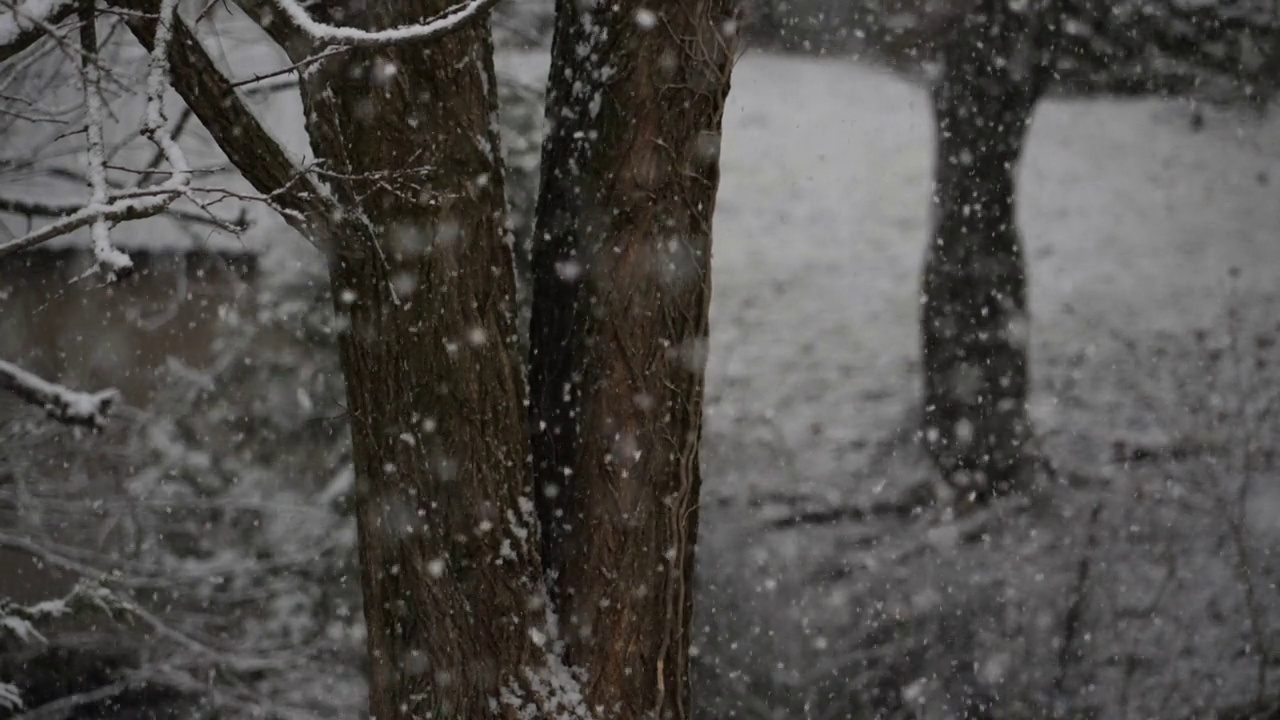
{"points": [[422, 277], [974, 317], [621, 287]]}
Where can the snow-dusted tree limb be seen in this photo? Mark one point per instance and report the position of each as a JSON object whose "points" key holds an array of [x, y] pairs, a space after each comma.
{"points": [[284, 74], [128, 208], [23, 22], [247, 143], [454, 18], [86, 596], [287, 186], [102, 210], [106, 254], [38, 208], [61, 403]]}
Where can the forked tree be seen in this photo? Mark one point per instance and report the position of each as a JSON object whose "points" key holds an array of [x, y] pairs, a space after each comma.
{"points": [[485, 594]]}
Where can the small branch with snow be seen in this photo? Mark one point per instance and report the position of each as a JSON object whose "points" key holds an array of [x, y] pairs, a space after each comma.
{"points": [[103, 251], [20, 621], [269, 167], [29, 207], [129, 208], [452, 19], [61, 403], [103, 209]]}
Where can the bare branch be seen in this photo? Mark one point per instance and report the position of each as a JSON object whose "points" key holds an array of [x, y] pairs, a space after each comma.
{"points": [[294, 69], [139, 204], [259, 157], [178, 59], [451, 20], [61, 403]]}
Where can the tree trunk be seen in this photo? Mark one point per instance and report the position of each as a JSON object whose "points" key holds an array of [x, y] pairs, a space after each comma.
{"points": [[422, 278], [974, 319], [621, 288]]}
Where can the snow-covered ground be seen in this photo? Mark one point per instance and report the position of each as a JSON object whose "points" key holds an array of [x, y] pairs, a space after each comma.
{"points": [[1133, 224], [1130, 220]]}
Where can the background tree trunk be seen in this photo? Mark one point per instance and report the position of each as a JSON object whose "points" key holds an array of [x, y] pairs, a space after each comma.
{"points": [[974, 321], [621, 276], [422, 277]]}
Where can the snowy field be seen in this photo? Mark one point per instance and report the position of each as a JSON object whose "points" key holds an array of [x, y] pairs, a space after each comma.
{"points": [[1130, 221], [1133, 224]]}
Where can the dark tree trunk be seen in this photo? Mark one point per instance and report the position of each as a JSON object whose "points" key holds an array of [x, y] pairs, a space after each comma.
{"points": [[451, 549], [621, 276], [974, 320], [422, 278]]}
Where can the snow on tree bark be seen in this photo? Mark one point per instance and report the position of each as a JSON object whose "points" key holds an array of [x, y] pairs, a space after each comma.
{"points": [[621, 289], [974, 319], [102, 208]]}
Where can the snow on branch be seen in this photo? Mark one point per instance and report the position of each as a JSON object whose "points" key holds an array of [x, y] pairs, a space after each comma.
{"points": [[440, 25], [102, 210], [103, 251], [32, 208], [24, 21], [21, 621], [61, 403], [283, 182]]}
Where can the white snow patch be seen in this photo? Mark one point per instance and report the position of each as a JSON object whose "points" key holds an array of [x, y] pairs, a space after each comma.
{"points": [[441, 24], [27, 15]]}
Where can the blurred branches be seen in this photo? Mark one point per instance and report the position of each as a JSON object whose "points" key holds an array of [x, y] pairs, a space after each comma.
{"points": [[1127, 47], [219, 515]]}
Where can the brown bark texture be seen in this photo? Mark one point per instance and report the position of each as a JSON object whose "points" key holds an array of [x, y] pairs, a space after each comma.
{"points": [[974, 320], [422, 278], [406, 199], [621, 290]]}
